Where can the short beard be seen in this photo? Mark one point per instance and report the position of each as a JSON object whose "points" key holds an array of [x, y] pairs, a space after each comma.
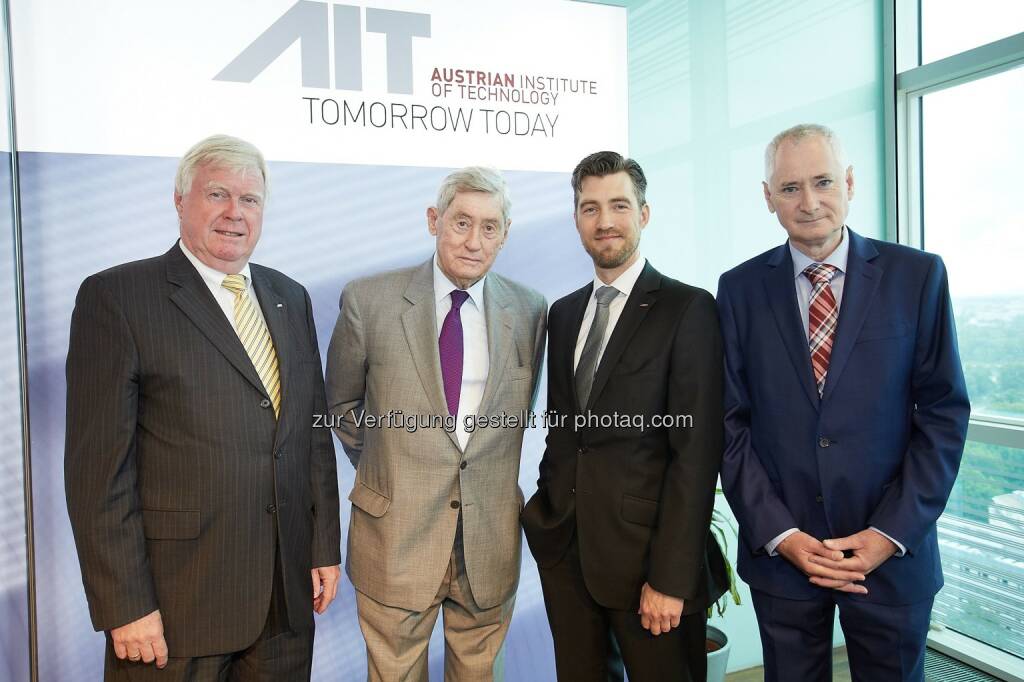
{"points": [[611, 260]]}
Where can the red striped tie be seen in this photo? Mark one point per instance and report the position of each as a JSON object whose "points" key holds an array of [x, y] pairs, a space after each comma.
{"points": [[822, 318]]}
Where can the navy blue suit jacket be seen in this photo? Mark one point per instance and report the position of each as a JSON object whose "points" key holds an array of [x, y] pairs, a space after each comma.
{"points": [[880, 448]]}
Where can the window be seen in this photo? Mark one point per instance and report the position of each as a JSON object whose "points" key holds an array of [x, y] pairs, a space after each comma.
{"points": [[973, 217], [948, 28], [982, 545], [957, 141]]}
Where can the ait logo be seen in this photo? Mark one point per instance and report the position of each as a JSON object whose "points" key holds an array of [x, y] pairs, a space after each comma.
{"points": [[307, 22]]}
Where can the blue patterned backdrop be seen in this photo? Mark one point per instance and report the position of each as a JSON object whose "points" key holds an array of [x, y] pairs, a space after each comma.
{"points": [[324, 225]]}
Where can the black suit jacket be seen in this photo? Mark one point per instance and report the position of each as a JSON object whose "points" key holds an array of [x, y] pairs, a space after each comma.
{"points": [[180, 482], [638, 499]]}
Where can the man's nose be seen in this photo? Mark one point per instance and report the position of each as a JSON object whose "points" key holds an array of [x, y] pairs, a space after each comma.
{"points": [[474, 240], [809, 202], [234, 209]]}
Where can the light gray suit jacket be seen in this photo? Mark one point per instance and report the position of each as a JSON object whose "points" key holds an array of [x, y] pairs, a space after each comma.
{"points": [[384, 356]]}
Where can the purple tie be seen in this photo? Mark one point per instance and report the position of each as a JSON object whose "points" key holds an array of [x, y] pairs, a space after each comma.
{"points": [[450, 346]]}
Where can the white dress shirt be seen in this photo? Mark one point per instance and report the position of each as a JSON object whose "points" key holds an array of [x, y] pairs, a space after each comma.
{"points": [[475, 361], [214, 279], [801, 261], [624, 284]]}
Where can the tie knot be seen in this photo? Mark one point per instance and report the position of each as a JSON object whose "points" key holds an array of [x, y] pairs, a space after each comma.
{"points": [[459, 297], [606, 295], [234, 283], [820, 272]]}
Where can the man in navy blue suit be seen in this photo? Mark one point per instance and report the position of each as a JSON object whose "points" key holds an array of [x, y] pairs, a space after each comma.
{"points": [[845, 417]]}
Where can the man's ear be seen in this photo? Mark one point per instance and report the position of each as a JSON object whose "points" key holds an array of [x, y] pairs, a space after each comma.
{"points": [[432, 220], [768, 197]]}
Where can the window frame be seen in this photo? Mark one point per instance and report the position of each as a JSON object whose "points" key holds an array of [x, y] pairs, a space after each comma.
{"points": [[904, 172], [906, 82]]}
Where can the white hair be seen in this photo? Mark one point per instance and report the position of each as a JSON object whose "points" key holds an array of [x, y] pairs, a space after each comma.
{"points": [[221, 151], [475, 179], [796, 134]]}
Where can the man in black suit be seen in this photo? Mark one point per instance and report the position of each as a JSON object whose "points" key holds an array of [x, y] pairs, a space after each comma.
{"points": [[203, 502], [620, 521]]}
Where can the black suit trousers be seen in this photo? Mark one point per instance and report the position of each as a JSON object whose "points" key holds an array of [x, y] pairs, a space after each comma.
{"points": [[595, 644]]}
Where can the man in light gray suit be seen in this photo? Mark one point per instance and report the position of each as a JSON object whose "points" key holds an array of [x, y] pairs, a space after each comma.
{"points": [[418, 358]]}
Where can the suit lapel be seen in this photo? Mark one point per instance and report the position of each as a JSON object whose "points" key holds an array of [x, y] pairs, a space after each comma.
{"points": [[781, 292], [276, 315], [639, 303], [419, 322], [194, 299], [859, 289], [576, 308], [499, 338]]}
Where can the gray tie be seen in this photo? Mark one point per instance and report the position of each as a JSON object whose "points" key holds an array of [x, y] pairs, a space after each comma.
{"points": [[591, 354]]}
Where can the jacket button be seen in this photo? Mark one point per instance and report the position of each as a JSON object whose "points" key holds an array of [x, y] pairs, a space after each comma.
{"points": [[265, 403], [463, 465], [278, 455], [819, 499], [455, 504], [572, 491], [271, 508], [824, 442], [581, 451]]}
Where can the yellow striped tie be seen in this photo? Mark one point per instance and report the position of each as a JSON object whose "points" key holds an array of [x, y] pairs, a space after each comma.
{"points": [[253, 333]]}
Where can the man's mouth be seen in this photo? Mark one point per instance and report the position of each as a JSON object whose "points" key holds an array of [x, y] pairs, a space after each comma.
{"points": [[229, 233]]}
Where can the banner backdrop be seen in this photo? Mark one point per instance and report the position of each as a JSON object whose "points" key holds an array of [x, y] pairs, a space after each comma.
{"points": [[361, 111]]}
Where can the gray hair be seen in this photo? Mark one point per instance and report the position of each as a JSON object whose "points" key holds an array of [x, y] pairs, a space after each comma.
{"points": [[796, 134], [222, 151], [475, 179]]}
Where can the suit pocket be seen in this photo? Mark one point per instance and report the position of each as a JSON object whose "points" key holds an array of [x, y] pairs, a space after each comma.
{"points": [[639, 510], [520, 373], [369, 500], [167, 524], [887, 330]]}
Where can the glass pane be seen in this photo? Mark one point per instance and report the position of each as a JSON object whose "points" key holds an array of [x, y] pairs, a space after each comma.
{"points": [[973, 218], [981, 538], [948, 28], [14, 663]]}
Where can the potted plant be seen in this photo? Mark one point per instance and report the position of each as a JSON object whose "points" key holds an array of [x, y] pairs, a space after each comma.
{"points": [[724, 588]]}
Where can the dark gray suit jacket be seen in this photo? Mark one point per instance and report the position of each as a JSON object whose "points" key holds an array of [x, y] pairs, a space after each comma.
{"points": [[180, 483]]}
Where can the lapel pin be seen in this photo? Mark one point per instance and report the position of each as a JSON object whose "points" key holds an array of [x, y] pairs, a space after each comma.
{"points": [[644, 305], [280, 305]]}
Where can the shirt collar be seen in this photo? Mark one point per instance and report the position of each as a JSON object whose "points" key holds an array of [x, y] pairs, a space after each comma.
{"points": [[837, 258], [625, 282], [211, 275], [443, 287]]}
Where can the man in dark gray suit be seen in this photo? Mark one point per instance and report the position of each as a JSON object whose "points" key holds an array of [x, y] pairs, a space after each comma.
{"points": [[203, 502]]}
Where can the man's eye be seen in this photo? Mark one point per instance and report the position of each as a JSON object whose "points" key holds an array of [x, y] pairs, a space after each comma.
{"points": [[788, 190], [825, 183]]}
